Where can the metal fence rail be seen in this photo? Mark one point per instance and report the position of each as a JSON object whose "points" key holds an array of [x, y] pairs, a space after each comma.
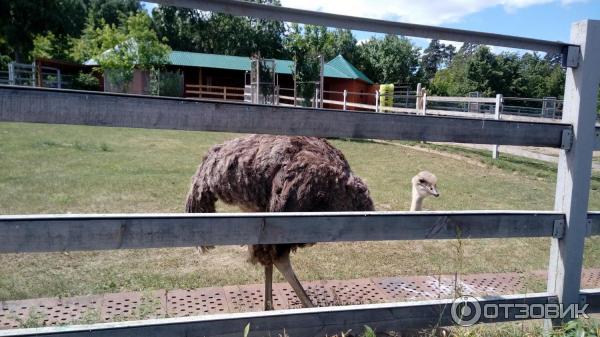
{"points": [[326, 321], [26, 104], [243, 8], [51, 233]]}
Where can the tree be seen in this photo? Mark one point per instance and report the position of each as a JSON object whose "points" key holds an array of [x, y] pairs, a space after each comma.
{"points": [[304, 51], [53, 23], [112, 11], [435, 56], [510, 74], [392, 59], [22, 20], [198, 31], [118, 50]]}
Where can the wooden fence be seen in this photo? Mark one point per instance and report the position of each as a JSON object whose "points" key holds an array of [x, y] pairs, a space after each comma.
{"points": [[567, 225], [214, 91]]}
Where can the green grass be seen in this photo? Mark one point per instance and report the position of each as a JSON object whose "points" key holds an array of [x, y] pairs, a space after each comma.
{"points": [[78, 169]]}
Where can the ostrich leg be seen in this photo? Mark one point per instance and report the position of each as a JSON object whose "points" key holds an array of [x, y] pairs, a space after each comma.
{"points": [[284, 266], [269, 287]]}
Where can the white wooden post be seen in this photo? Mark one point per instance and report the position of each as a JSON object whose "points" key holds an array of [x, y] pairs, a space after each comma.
{"points": [[376, 100], [321, 80], [497, 117], [58, 79], [345, 98], [424, 110], [316, 100], [574, 166], [11, 73], [418, 105], [224, 93]]}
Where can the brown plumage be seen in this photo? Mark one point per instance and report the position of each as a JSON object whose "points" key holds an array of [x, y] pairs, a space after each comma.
{"points": [[264, 173]]}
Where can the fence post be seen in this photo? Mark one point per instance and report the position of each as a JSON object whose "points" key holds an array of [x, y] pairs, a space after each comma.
{"points": [[58, 79], [376, 100], [224, 93], [11, 73], [418, 104], [316, 100], [497, 109], [574, 165], [345, 98], [424, 111]]}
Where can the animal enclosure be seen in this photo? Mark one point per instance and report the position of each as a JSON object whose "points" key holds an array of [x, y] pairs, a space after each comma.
{"points": [[567, 225]]}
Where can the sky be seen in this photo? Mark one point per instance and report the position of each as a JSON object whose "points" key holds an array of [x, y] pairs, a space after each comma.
{"points": [[542, 19]]}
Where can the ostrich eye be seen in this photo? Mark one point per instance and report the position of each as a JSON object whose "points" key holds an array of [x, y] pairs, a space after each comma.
{"points": [[422, 181]]}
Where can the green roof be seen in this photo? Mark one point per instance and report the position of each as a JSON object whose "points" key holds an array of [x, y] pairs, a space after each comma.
{"points": [[341, 65], [337, 68]]}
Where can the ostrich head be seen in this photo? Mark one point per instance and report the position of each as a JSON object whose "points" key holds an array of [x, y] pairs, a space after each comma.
{"points": [[423, 185]]}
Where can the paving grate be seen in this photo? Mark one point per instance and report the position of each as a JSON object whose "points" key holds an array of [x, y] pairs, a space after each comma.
{"points": [[194, 302], [49, 311], [413, 288], [133, 305], [590, 278], [318, 291], [363, 291], [245, 298], [182, 303]]}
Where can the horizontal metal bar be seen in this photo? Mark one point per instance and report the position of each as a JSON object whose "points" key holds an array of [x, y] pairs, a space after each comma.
{"points": [[57, 106], [595, 218], [461, 99], [592, 299], [243, 8], [323, 321], [48, 233]]}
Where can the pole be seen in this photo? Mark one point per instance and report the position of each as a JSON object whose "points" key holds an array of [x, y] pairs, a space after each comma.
{"points": [[574, 165], [424, 111], [497, 117], [11, 73], [345, 98], [376, 100], [321, 79], [419, 99]]}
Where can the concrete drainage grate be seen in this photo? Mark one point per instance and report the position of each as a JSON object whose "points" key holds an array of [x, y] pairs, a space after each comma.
{"points": [[133, 305], [245, 298], [182, 303], [363, 291], [195, 302], [49, 311], [590, 278]]}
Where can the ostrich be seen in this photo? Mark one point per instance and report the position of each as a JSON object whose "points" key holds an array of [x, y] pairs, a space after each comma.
{"points": [[266, 173], [424, 184]]}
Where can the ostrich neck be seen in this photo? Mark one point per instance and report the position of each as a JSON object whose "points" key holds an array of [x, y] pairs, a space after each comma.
{"points": [[417, 201]]}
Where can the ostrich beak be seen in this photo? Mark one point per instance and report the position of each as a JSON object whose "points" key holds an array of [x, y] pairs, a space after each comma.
{"points": [[435, 192]]}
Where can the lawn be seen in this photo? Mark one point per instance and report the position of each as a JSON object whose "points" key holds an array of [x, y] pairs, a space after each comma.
{"points": [[78, 169]]}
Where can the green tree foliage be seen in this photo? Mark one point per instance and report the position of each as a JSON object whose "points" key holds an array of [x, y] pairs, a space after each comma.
{"points": [[392, 59], [476, 68], [193, 30], [22, 20], [50, 46], [118, 50], [304, 51], [436, 56], [58, 21], [111, 11]]}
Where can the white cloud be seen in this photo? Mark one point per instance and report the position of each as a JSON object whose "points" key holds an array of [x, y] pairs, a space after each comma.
{"points": [[431, 12]]}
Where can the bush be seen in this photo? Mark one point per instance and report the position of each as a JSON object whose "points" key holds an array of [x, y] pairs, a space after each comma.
{"points": [[86, 81], [166, 83]]}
